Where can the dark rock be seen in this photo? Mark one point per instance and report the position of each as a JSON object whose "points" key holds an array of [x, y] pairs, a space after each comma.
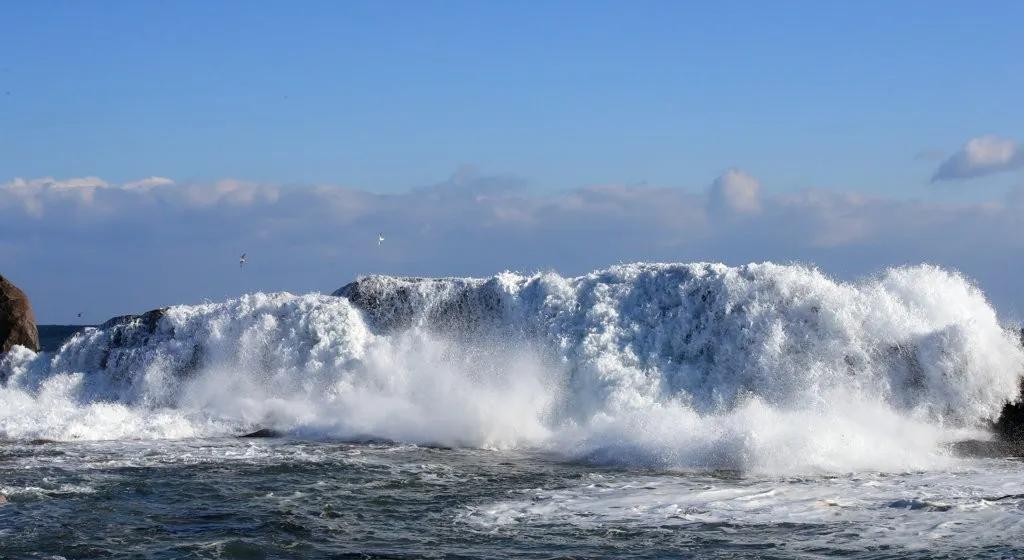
{"points": [[149, 319], [388, 302], [262, 433], [919, 505], [17, 322], [1009, 428], [989, 449], [129, 333], [1007, 432], [194, 363], [444, 304]]}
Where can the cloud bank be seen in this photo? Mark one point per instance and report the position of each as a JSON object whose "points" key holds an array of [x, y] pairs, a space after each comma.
{"points": [[980, 156], [86, 245], [735, 192]]}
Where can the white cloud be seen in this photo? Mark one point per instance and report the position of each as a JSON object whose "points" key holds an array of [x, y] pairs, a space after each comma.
{"points": [[735, 192], [30, 194], [83, 193], [50, 184], [148, 183], [983, 155], [136, 247], [230, 191]]}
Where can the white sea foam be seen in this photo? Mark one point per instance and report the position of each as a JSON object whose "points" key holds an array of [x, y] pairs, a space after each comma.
{"points": [[694, 366], [961, 507]]}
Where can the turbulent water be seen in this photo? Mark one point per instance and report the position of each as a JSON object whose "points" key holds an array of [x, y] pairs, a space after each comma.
{"points": [[642, 410]]}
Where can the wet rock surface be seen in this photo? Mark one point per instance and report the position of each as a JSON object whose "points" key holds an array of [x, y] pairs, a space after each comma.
{"points": [[17, 321]]}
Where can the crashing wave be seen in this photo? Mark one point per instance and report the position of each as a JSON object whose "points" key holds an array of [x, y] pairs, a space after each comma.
{"points": [[761, 366]]}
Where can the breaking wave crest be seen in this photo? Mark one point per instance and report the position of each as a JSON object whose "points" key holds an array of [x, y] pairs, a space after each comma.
{"points": [[761, 367]]}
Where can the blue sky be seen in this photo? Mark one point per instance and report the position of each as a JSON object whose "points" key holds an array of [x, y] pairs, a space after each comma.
{"points": [[400, 101], [386, 95]]}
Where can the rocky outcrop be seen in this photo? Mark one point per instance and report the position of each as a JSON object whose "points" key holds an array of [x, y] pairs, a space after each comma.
{"points": [[988, 448], [446, 304], [126, 336], [1010, 426], [387, 301], [1007, 432], [1009, 429], [148, 320], [262, 433], [17, 322]]}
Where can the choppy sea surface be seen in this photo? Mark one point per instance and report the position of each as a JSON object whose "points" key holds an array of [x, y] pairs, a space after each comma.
{"points": [[284, 498]]}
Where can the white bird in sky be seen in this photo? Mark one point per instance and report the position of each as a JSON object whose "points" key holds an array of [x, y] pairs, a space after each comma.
{"points": [[241, 261], [380, 239]]}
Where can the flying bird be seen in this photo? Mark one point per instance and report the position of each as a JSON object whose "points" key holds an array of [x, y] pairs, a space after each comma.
{"points": [[241, 261], [380, 239]]}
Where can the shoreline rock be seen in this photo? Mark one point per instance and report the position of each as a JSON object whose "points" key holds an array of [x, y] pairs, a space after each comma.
{"points": [[986, 449], [1008, 430], [262, 433], [17, 321], [149, 319]]}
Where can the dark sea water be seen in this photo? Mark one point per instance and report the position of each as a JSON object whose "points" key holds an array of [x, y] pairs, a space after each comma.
{"points": [[280, 498], [51, 337]]}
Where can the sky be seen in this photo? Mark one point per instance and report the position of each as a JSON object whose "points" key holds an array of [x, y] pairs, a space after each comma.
{"points": [[145, 145]]}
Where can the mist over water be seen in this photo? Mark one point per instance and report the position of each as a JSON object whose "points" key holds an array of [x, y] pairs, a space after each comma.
{"points": [[759, 368]]}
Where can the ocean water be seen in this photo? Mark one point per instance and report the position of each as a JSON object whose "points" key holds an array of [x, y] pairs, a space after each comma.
{"points": [[233, 498], [646, 410], [52, 337]]}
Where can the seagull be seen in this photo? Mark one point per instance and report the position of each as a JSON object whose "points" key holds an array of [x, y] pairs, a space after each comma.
{"points": [[380, 239], [241, 261], [79, 315]]}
